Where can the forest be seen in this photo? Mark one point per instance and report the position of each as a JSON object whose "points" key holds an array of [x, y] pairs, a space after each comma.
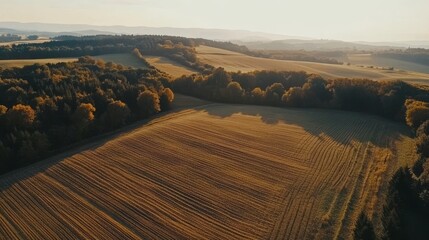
{"points": [[44, 108]]}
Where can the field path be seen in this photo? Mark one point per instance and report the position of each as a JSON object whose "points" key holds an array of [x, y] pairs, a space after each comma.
{"points": [[214, 171]]}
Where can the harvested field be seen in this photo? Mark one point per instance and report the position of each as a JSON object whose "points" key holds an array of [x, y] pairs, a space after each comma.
{"points": [[125, 59], [213, 171], [24, 62], [171, 67], [370, 60], [233, 61]]}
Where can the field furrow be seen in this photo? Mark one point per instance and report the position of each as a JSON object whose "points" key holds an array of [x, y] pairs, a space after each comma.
{"points": [[214, 172]]}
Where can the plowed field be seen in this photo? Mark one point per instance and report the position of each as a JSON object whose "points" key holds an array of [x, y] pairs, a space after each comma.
{"points": [[215, 171]]}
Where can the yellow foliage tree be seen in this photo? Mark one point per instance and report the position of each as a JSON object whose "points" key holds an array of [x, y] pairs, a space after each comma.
{"points": [[21, 115], [416, 113]]}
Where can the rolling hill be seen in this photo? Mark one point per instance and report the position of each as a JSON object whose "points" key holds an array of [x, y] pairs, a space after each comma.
{"points": [[125, 59], [256, 172], [233, 61], [171, 67]]}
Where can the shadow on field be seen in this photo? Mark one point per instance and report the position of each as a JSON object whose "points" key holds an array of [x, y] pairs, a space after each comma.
{"points": [[342, 126], [181, 102]]}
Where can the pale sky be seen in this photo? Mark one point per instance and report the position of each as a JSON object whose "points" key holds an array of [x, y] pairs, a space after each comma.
{"points": [[350, 20]]}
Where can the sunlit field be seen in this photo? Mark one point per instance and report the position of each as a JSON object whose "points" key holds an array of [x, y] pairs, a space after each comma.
{"points": [[212, 171], [233, 61]]}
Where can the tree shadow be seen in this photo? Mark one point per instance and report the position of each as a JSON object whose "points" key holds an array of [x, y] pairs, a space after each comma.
{"points": [[93, 143], [348, 127], [341, 126]]}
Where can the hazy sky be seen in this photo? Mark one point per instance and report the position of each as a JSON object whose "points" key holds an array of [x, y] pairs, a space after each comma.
{"points": [[370, 20]]}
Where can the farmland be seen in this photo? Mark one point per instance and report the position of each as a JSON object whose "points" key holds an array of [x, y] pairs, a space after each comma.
{"points": [[164, 64], [233, 61], [256, 172], [173, 68], [371, 60], [125, 59]]}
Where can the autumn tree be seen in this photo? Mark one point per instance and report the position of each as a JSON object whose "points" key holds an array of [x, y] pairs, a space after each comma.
{"points": [[234, 91], [294, 97], [315, 91], [3, 111], [148, 103], [416, 112], [274, 93], [257, 95], [21, 116], [220, 78], [84, 113], [82, 117], [166, 99], [117, 114]]}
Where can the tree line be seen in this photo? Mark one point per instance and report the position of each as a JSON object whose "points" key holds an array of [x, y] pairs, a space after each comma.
{"points": [[406, 209], [44, 108], [301, 55], [9, 37], [300, 89], [179, 49]]}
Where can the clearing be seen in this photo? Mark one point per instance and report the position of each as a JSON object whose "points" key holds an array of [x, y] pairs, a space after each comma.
{"points": [[164, 64], [233, 61], [125, 59], [212, 171], [171, 67]]}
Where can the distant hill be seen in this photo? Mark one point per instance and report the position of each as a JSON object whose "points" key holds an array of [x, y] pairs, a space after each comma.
{"points": [[80, 29], [4, 30], [253, 40], [312, 45], [403, 44]]}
